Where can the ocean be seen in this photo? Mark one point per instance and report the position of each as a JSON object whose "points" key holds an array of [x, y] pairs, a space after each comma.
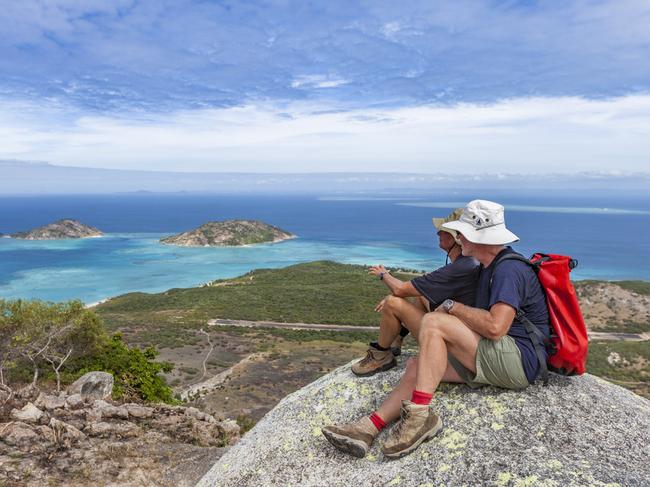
{"points": [[608, 232]]}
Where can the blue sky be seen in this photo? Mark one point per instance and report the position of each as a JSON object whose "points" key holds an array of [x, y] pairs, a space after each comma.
{"points": [[327, 86]]}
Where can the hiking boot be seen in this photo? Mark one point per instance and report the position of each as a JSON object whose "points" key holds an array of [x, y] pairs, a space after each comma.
{"points": [[375, 361], [417, 424], [396, 346], [353, 438]]}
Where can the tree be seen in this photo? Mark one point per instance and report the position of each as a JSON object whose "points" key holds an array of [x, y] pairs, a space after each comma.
{"points": [[71, 340], [52, 333]]}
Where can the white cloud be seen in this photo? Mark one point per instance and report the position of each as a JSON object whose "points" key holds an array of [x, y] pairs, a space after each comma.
{"points": [[514, 135], [317, 81]]}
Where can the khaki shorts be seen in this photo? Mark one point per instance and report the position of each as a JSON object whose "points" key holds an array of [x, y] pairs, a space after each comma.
{"points": [[498, 363]]}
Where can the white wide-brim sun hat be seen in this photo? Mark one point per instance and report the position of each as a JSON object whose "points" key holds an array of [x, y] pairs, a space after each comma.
{"points": [[483, 222]]}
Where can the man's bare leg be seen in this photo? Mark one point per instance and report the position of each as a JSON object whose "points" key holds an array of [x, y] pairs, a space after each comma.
{"points": [[390, 408], [395, 312], [421, 303], [379, 356], [441, 333]]}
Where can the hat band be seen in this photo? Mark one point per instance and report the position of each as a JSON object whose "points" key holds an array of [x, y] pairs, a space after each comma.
{"points": [[489, 226]]}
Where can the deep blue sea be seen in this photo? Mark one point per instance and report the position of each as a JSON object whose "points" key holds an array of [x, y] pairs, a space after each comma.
{"points": [[609, 234]]}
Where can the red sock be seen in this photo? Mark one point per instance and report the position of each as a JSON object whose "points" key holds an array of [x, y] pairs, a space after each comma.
{"points": [[419, 397], [377, 421]]}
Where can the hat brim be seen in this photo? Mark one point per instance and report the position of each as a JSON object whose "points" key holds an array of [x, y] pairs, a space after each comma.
{"points": [[495, 235], [438, 222]]}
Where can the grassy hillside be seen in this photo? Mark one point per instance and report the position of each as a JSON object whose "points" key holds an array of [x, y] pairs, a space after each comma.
{"points": [[624, 363], [316, 292], [639, 287]]}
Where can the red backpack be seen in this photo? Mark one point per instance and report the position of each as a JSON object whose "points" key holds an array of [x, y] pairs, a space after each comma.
{"points": [[568, 346]]}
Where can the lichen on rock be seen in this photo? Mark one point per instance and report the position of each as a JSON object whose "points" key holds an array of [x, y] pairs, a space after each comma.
{"points": [[575, 431]]}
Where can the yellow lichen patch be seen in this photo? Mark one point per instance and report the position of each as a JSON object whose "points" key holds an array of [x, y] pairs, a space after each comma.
{"points": [[302, 415], [370, 457], [386, 387], [317, 421], [497, 426], [395, 481], [527, 482], [540, 433], [496, 406], [444, 468], [504, 479], [453, 440], [365, 390], [455, 406], [472, 412], [429, 484], [554, 464], [225, 466]]}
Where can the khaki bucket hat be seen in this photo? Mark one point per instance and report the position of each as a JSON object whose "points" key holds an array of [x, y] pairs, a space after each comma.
{"points": [[453, 216]]}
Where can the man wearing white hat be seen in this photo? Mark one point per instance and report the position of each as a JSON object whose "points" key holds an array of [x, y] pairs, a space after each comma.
{"points": [[480, 345], [455, 280]]}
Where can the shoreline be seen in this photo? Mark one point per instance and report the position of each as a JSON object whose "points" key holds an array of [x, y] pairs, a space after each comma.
{"points": [[638, 286], [582, 282], [279, 240]]}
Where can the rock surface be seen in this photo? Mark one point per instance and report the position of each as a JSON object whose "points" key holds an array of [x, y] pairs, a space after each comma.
{"points": [[83, 443], [96, 385], [229, 233], [576, 431], [62, 229], [28, 414]]}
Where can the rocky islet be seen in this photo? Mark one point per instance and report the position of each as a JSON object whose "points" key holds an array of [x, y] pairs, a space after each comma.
{"points": [[229, 233]]}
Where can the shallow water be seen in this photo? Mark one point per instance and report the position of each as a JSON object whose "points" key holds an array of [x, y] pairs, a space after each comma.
{"points": [[609, 235]]}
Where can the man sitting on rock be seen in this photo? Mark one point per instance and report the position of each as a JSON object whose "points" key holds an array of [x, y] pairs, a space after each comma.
{"points": [[480, 345], [456, 280]]}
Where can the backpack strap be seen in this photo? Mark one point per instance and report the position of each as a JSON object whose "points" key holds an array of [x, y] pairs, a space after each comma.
{"points": [[540, 342]]}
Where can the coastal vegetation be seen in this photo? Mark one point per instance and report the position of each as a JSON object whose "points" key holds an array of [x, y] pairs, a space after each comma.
{"points": [[47, 342], [230, 233]]}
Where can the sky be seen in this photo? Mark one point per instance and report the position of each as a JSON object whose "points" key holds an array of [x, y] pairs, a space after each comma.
{"points": [[281, 86]]}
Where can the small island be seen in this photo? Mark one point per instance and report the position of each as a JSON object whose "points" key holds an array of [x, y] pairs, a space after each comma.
{"points": [[62, 229], [230, 233]]}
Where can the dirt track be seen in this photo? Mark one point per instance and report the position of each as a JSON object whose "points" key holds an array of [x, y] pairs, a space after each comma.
{"points": [[593, 335]]}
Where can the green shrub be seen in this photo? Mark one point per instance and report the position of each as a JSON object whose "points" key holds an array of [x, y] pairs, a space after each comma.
{"points": [[63, 341], [136, 373]]}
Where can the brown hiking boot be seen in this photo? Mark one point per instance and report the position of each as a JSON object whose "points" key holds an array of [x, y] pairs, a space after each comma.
{"points": [[375, 361], [396, 346], [417, 424], [353, 438]]}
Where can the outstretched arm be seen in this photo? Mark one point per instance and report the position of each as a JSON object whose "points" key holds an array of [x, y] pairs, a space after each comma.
{"points": [[399, 288]]}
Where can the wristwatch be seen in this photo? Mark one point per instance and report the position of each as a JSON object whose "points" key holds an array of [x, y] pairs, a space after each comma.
{"points": [[447, 304], [381, 275]]}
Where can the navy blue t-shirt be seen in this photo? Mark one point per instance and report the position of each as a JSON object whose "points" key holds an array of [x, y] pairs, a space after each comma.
{"points": [[515, 283], [455, 281]]}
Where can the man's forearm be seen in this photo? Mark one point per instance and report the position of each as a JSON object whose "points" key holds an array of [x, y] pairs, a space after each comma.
{"points": [[393, 283], [479, 320]]}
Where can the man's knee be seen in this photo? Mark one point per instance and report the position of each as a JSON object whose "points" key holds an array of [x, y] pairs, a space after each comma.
{"points": [[394, 303], [432, 326]]}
